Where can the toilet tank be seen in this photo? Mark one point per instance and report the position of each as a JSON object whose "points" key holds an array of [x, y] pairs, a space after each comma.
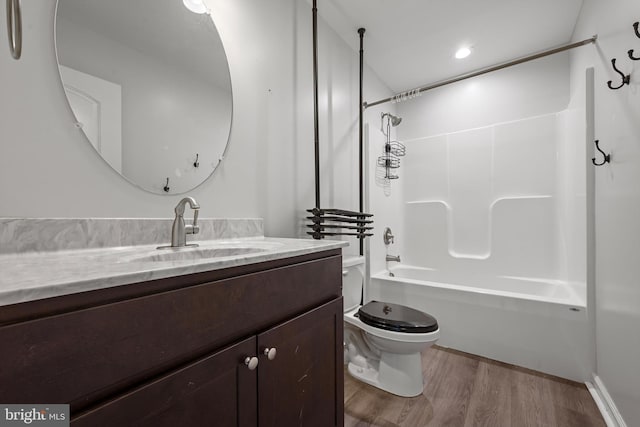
{"points": [[352, 281]]}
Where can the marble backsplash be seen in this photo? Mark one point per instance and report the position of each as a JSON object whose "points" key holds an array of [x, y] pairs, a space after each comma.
{"points": [[19, 235]]}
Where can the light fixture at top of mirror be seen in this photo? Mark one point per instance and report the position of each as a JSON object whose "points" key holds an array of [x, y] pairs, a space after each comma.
{"points": [[196, 6]]}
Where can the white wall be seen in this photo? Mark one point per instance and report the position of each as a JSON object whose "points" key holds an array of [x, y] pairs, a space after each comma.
{"points": [[526, 90], [617, 202], [47, 169]]}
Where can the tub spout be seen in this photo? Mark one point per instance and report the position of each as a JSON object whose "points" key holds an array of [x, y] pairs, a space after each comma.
{"points": [[393, 258]]}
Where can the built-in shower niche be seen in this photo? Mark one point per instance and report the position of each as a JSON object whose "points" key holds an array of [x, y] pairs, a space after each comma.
{"points": [[486, 201]]}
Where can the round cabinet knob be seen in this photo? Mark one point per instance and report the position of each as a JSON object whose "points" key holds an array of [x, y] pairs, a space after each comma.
{"points": [[270, 353], [251, 362]]}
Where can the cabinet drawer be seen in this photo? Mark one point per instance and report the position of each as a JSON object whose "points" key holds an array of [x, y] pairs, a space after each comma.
{"points": [[88, 355]]}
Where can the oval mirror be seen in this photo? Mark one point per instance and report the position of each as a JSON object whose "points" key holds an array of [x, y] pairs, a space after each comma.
{"points": [[148, 82]]}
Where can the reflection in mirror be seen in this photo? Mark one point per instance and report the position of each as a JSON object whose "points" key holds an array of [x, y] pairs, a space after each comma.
{"points": [[148, 82]]}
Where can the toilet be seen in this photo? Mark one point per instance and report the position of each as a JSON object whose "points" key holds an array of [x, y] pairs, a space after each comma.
{"points": [[383, 342]]}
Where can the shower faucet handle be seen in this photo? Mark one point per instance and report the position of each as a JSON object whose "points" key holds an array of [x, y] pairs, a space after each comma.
{"points": [[388, 236]]}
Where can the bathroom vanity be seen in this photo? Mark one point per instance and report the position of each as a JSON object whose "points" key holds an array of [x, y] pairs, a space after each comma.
{"points": [[231, 343]]}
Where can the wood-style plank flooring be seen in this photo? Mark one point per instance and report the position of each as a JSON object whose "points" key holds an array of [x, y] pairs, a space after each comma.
{"points": [[464, 390]]}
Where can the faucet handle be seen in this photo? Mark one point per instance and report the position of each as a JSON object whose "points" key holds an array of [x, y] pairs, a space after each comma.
{"points": [[193, 228], [388, 236]]}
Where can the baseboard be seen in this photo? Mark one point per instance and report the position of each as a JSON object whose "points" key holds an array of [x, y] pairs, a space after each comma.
{"points": [[605, 403]]}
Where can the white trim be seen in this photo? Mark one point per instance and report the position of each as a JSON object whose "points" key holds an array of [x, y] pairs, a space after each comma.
{"points": [[605, 403]]}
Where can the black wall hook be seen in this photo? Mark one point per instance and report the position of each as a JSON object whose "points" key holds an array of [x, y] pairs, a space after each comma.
{"points": [[630, 52], [166, 187], [196, 163], [607, 157], [625, 79]]}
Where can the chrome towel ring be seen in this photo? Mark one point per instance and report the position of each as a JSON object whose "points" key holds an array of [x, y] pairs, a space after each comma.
{"points": [[14, 28]]}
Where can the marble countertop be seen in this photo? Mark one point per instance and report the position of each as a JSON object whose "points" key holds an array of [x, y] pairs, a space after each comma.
{"points": [[36, 275]]}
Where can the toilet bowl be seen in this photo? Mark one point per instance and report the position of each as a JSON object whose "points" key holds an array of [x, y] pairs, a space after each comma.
{"points": [[383, 341]]}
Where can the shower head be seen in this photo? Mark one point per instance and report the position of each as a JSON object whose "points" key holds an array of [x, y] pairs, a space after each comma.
{"points": [[395, 120]]}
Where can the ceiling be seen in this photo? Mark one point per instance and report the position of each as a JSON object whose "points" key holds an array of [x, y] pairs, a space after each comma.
{"points": [[410, 43]]}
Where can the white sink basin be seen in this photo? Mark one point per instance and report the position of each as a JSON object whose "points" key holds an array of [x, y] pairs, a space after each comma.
{"points": [[203, 253]]}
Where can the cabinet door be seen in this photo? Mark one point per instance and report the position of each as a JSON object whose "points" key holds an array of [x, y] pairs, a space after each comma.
{"points": [[218, 390], [303, 384]]}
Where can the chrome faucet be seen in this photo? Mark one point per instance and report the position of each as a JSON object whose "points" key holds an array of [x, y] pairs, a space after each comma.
{"points": [[388, 236], [393, 258], [179, 230]]}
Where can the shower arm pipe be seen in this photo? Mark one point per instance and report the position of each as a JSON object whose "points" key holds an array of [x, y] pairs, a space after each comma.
{"points": [[487, 70], [361, 32], [316, 132]]}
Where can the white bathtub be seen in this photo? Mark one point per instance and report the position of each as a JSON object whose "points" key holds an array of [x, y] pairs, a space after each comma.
{"points": [[541, 325]]}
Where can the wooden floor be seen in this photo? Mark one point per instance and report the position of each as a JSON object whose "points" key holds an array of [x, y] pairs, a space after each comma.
{"points": [[464, 390]]}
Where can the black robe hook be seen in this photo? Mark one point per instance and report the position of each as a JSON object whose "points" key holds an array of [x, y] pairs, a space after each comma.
{"points": [[625, 79], [607, 157], [635, 28], [196, 163], [166, 187]]}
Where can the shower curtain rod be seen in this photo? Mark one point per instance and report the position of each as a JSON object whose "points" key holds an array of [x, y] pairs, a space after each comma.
{"points": [[415, 92]]}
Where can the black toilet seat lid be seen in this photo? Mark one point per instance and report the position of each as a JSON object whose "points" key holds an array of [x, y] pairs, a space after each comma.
{"points": [[398, 318]]}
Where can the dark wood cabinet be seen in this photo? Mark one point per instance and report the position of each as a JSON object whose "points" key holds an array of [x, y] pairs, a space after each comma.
{"points": [[303, 385], [177, 356], [218, 390]]}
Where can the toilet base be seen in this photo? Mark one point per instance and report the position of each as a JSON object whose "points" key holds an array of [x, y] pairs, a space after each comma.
{"points": [[399, 374]]}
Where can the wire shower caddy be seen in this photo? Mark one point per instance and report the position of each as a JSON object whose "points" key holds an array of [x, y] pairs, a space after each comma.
{"points": [[393, 150]]}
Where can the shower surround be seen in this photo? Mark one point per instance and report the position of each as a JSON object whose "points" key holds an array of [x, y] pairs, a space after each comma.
{"points": [[491, 228], [491, 200]]}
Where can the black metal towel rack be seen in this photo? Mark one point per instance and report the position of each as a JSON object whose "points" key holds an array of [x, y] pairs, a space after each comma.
{"points": [[327, 222], [337, 222]]}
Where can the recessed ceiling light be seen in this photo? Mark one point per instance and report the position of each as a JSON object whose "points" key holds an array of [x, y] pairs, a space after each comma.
{"points": [[195, 6], [463, 52]]}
